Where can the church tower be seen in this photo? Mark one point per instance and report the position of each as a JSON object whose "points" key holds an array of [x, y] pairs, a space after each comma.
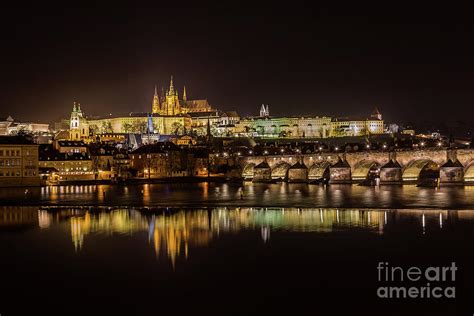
{"points": [[184, 94], [264, 112], [155, 107], [78, 127], [171, 106]]}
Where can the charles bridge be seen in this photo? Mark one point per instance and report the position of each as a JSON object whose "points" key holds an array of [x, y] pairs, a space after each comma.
{"points": [[450, 166]]}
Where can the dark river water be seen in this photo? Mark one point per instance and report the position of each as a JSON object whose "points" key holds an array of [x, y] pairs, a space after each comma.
{"points": [[229, 194], [304, 250]]}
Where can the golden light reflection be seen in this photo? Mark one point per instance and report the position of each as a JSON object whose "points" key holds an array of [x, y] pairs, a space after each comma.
{"points": [[173, 234]]}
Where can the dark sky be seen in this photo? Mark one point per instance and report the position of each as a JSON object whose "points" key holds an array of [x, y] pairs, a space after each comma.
{"points": [[414, 63]]}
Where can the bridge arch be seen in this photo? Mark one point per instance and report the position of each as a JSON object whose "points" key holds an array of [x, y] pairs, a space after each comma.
{"points": [[280, 170], [469, 172], [319, 171], [248, 171], [365, 169], [420, 169]]}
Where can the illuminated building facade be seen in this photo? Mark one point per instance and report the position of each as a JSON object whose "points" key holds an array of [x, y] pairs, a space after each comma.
{"points": [[18, 162], [8, 126], [68, 166], [298, 127], [273, 127], [373, 125]]}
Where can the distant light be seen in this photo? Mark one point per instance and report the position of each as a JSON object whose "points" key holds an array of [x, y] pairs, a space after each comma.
{"points": [[320, 148], [336, 148], [238, 154], [282, 150], [265, 152], [368, 146], [384, 146], [440, 144], [250, 152], [422, 143]]}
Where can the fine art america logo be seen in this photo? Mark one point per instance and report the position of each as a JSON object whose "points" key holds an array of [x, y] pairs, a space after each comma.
{"points": [[416, 282]]}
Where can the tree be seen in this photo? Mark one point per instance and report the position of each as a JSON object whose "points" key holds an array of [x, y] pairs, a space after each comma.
{"points": [[177, 128], [127, 128], [107, 127]]}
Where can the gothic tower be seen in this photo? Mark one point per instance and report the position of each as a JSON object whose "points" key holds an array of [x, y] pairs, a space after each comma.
{"points": [[184, 94], [171, 106], [155, 107]]}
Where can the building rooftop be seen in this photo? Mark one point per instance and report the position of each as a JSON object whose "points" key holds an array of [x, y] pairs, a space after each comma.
{"points": [[48, 153], [71, 143], [161, 147], [15, 140]]}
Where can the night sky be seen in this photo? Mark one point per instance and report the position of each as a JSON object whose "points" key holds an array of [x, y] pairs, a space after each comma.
{"points": [[414, 63]]}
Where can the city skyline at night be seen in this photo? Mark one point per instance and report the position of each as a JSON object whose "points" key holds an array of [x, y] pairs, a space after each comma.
{"points": [[237, 158], [321, 60]]}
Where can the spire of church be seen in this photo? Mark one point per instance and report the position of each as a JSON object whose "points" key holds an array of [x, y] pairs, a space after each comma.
{"points": [[171, 91], [263, 111], [155, 106], [184, 94], [74, 109]]}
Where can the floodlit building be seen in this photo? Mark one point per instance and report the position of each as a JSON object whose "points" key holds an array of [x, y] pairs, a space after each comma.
{"points": [[18, 162]]}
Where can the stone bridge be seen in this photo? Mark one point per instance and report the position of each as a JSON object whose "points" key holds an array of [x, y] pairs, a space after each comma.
{"points": [[454, 166]]}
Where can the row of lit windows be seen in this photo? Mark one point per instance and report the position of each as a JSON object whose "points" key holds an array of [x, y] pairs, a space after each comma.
{"points": [[8, 173], [9, 153], [10, 162]]}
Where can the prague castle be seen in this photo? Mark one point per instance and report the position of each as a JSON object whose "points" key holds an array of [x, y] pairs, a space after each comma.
{"points": [[172, 115], [310, 126], [168, 115]]}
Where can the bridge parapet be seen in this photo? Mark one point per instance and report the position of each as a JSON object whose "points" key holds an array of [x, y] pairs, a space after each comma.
{"points": [[379, 158]]}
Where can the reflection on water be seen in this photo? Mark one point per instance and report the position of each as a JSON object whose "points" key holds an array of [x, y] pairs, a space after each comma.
{"points": [[173, 232], [254, 194]]}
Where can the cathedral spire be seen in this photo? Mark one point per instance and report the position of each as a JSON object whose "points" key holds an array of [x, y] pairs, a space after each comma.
{"points": [[74, 107], [184, 94], [171, 91], [155, 106]]}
